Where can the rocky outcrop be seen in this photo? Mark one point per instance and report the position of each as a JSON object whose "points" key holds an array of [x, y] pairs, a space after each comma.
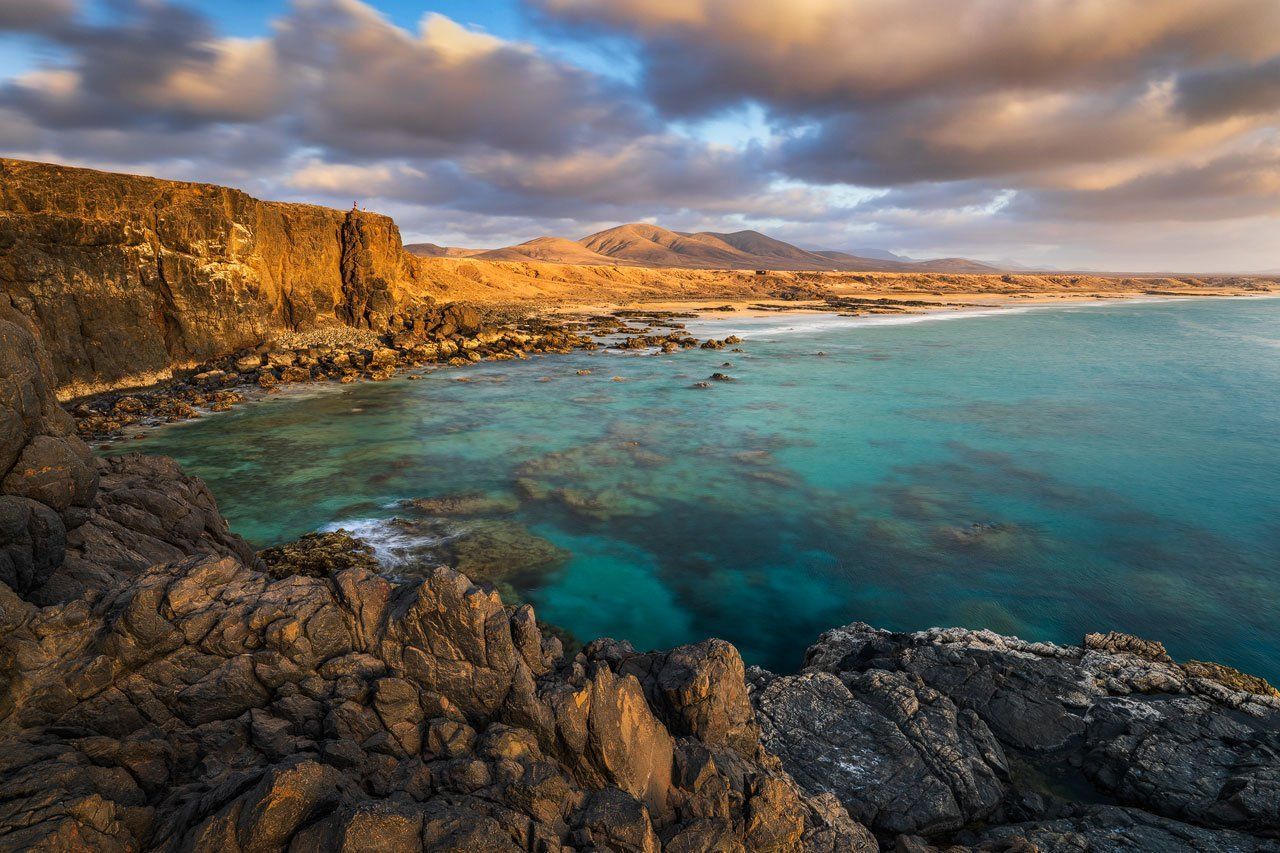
{"points": [[205, 705], [900, 757], [48, 479], [129, 278], [147, 511], [930, 732]]}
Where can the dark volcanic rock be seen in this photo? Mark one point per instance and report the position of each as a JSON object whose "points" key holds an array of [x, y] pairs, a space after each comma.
{"points": [[318, 555], [1109, 829], [204, 705], [147, 511], [900, 756], [1146, 731], [48, 479], [1181, 757]]}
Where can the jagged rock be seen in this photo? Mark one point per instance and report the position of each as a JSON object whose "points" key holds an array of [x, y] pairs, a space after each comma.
{"points": [[698, 690], [56, 471], [1229, 677], [1184, 758], [1116, 643], [147, 511], [319, 555], [1108, 829], [203, 704], [899, 756], [1143, 729], [33, 541]]}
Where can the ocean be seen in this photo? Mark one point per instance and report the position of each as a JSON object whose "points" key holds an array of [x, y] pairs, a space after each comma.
{"points": [[1039, 471]]}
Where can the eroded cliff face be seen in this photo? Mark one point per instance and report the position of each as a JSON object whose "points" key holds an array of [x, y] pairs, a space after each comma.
{"points": [[129, 278]]}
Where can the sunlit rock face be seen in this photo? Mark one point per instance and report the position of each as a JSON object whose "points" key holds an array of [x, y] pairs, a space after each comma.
{"points": [[128, 278]]}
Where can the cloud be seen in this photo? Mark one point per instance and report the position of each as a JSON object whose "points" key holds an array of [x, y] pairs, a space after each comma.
{"points": [[1234, 91], [159, 66], [975, 113], [1237, 185], [815, 54], [35, 15], [931, 126], [378, 90]]}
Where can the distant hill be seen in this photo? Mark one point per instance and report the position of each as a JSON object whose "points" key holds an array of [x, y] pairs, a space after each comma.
{"points": [[431, 250], [878, 254], [641, 244], [556, 250]]}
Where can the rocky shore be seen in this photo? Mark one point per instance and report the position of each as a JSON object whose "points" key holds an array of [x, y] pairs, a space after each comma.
{"points": [[453, 335], [165, 688]]}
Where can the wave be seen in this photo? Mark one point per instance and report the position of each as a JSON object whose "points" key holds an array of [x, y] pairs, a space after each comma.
{"points": [[807, 323], [395, 543]]}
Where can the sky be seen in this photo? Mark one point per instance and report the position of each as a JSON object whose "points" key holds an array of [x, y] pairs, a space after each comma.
{"points": [[1130, 135]]}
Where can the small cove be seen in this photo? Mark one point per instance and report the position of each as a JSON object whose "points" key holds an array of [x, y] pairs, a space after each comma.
{"points": [[1040, 472]]}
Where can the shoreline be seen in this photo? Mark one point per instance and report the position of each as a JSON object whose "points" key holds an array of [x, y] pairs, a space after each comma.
{"points": [[670, 315]]}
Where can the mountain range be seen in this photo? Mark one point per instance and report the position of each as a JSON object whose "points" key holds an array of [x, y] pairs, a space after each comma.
{"points": [[645, 245]]}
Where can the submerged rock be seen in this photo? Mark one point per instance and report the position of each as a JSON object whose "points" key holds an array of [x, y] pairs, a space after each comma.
{"points": [[493, 549], [466, 504]]}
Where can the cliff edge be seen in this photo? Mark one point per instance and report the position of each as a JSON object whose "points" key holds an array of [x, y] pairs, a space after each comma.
{"points": [[130, 278]]}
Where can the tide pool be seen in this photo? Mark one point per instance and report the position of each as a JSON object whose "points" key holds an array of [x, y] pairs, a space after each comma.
{"points": [[1042, 472]]}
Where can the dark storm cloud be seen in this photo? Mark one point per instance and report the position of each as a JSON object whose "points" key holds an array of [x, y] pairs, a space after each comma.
{"points": [[1238, 91], [35, 15]]}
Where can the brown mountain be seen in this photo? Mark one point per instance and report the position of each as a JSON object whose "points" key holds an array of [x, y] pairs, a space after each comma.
{"points": [[651, 245], [556, 250], [432, 250], [644, 245]]}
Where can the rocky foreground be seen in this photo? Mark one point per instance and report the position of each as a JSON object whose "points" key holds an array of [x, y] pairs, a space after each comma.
{"points": [[166, 688]]}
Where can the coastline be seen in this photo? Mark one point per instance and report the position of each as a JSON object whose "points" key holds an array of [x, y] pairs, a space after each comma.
{"points": [[168, 687], [670, 315]]}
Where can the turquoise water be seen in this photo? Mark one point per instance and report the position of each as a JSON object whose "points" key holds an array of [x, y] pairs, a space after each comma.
{"points": [[1042, 472]]}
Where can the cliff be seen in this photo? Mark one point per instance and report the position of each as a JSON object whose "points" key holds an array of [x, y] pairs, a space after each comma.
{"points": [[129, 278]]}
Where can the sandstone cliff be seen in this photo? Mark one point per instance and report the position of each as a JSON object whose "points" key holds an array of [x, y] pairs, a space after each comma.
{"points": [[128, 278]]}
